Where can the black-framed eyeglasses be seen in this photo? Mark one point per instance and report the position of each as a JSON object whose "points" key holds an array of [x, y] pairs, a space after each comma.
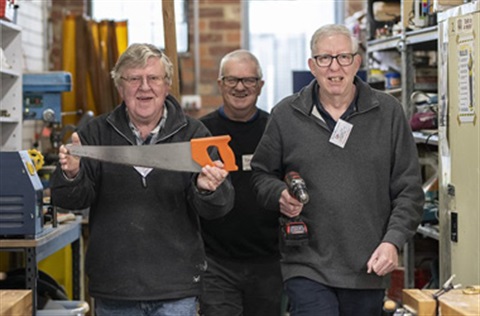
{"points": [[248, 82], [325, 60]]}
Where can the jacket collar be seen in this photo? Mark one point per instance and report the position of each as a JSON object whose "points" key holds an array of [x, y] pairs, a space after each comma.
{"points": [[366, 100], [176, 120]]}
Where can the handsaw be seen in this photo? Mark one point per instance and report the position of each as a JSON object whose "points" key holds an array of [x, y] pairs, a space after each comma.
{"points": [[188, 156]]}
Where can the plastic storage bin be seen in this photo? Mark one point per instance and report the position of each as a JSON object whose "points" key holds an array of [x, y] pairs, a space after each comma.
{"points": [[64, 308]]}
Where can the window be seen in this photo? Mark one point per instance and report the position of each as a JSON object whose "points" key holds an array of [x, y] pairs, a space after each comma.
{"points": [[281, 42], [145, 20]]}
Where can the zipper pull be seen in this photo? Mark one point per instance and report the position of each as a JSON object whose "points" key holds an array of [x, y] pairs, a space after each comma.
{"points": [[144, 182]]}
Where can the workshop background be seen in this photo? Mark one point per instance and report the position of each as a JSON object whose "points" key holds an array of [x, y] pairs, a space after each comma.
{"points": [[56, 59]]}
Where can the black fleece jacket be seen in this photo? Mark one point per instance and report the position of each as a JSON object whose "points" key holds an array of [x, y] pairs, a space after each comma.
{"points": [[144, 241]]}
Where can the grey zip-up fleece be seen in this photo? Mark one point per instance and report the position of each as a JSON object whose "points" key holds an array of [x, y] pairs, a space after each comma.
{"points": [[144, 241], [361, 195]]}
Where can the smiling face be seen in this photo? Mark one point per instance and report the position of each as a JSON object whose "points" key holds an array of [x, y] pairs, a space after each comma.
{"points": [[240, 100], [144, 90], [334, 80]]}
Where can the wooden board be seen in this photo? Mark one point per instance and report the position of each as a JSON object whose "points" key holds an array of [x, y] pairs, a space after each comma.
{"points": [[168, 9], [419, 301], [456, 303], [15, 302], [452, 303]]}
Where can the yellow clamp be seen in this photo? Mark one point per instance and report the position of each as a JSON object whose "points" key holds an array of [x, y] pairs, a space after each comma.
{"points": [[37, 158]]}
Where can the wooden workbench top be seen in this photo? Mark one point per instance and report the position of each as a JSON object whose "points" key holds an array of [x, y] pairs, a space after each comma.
{"points": [[15, 302], [456, 302], [453, 303]]}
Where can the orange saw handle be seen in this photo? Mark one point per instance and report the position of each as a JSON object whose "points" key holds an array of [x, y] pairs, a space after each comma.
{"points": [[199, 147]]}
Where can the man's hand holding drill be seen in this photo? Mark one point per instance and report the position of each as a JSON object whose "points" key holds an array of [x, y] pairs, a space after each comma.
{"points": [[289, 205], [295, 196]]}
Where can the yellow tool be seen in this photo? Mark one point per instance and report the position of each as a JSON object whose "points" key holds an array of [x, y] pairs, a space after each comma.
{"points": [[37, 158]]}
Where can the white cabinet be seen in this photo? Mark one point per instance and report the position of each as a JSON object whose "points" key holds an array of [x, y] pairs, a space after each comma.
{"points": [[459, 144], [11, 87]]}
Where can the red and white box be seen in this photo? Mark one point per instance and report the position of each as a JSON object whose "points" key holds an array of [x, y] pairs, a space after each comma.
{"points": [[7, 10]]}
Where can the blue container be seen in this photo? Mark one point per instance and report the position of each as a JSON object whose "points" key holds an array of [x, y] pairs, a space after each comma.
{"points": [[392, 80]]}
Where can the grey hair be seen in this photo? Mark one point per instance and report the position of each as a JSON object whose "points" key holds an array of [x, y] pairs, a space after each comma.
{"points": [[332, 29], [240, 54], [137, 55]]}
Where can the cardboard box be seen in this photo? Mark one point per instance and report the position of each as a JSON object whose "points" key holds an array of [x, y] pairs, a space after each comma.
{"points": [[15, 302], [7, 10], [441, 5]]}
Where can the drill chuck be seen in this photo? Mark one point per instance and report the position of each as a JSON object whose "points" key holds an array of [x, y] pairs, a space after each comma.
{"points": [[297, 187]]}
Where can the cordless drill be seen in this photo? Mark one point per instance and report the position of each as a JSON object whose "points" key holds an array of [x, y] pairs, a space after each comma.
{"points": [[297, 187], [295, 231]]}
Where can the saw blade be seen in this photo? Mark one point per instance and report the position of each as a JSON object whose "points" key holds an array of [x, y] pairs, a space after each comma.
{"points": [[176, 156], [182, 156]]}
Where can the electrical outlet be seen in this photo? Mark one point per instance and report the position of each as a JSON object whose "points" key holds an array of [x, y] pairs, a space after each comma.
{"points": [[191, 102]]}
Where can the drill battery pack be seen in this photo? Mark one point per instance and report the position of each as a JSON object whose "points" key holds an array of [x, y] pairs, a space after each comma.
{"points": [[294, 232]]}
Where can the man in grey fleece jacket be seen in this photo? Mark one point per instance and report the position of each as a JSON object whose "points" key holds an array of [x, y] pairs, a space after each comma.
{"points": [[354, 148]]}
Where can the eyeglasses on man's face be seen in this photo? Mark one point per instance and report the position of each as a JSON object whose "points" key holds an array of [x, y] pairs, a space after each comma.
{"points": [[325, 60], [248, 82], [136, 81]]}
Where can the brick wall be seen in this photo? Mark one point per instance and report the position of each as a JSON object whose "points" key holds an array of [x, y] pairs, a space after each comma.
{"points": [[31, 17], [59, 10], [220, 27], [220, 32]]}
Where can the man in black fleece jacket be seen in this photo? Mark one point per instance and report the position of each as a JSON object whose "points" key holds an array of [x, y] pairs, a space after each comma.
{"points": [[145, 254]]}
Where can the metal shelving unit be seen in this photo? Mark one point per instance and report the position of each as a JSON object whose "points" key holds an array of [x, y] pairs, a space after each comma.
{"points": [[382, 44], [49, 241], [406, 44], [423, 37], [429, 231], [426, 138], [11, 92]]}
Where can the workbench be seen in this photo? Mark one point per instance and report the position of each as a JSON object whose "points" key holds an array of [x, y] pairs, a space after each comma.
{"points": [[49, 241], [452, 303]]}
